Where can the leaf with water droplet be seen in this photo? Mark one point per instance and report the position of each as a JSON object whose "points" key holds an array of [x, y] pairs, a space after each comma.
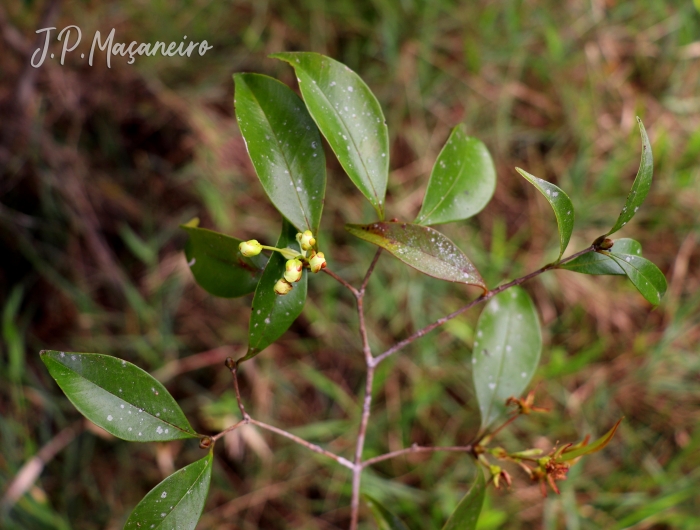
{"points": [[643, 274], [385, 519], [462, 181], [285, 147], [118, 396], [217, 264], [641, 185], [349, 116], [506, 351], [466, 515], [598, 263], [177, 502], [560, 203], [273, 314], [423, 248]]}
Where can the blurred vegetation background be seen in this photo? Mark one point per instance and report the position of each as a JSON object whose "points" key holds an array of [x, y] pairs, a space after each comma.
{"points": [[99, 166]]}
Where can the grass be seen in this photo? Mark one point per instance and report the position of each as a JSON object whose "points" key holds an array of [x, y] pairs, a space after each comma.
{"points": [[106, 164]]}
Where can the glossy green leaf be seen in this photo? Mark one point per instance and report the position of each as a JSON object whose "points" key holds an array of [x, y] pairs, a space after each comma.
{"points": [[641, 185], [506, 351], [560, 203], [385, 519], [587, 449], [599, 263], [643, 274], [462, 181], [285, 147], [466, 515], [118, 396], [422, 248], [272, 314], [218, 266], [177, 502], [349, 116]]}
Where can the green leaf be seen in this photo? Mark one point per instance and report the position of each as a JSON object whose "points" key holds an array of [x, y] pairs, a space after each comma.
{"points": [[641, 185], [422, 248], [643, 274], [506, 351], [118, 396], [598, 263], [177, 502], [349, 116], [285, 147], [462, 181], [272, 314], [586, 449], [385, 519], [218, 266], [560, 203], [466, 515]]}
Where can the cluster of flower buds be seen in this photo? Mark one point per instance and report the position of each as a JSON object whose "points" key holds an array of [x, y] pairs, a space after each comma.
{"points": [[296, 261]]}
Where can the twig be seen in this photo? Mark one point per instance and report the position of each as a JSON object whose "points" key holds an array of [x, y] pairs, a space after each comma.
{"points": [[367, 402], [229, 429], [332, 274], [358, 465], [370, 271], [231, 365], [484, 297], [359, 447], [416, 449], [315, 448], [369, 360]]}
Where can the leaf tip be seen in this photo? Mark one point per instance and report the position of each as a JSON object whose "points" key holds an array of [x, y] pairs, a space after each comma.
{"points": [[282, 56], [192, 223]]}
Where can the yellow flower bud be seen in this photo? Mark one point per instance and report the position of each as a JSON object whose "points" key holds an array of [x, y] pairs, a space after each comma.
{"points": [[317, 261], [307, 240], [282, 286], [250, 248], [292, 271]]}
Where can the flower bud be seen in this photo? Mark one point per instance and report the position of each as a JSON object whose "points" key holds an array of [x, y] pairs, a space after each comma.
{"points": [[317, 261], [282, 286], [307, 240], [292, 271], [250, 248], [607, 244]]}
